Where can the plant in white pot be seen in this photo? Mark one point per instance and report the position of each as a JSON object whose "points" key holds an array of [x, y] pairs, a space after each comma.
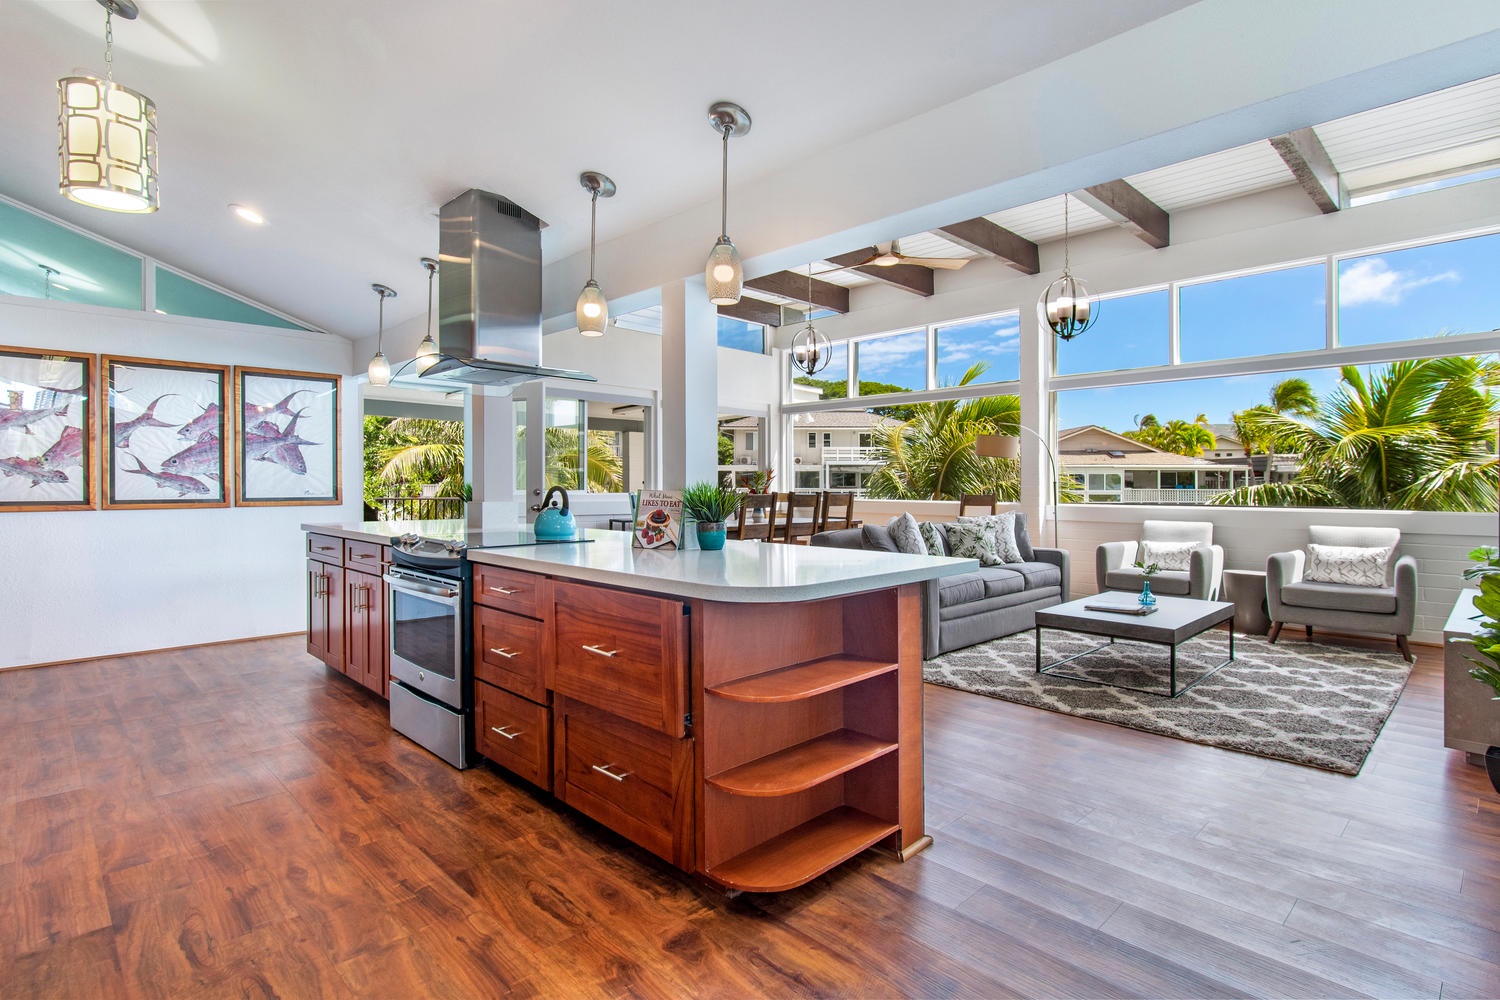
{"points": [[710, 505], [1486, 639]]}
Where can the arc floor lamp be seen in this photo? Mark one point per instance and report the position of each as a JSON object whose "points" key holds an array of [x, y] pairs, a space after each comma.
{"points": [[1009, 446]]}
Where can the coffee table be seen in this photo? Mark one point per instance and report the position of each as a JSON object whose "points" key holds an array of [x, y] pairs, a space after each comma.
{"points": [[1176, 620]]}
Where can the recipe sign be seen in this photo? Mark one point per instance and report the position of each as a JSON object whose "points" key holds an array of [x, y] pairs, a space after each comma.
{"points": [[658, 519]]}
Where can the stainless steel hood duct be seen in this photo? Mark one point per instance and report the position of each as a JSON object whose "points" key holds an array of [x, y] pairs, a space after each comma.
{"points": [[490, 294]]}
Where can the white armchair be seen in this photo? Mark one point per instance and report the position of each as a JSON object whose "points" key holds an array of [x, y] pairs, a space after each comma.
{"points": [[1388, 606], [1114, 562]]}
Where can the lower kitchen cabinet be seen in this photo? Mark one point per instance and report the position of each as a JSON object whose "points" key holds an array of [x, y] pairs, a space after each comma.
{"points": [[369, 658], [346, 609], [325, 612], [514, 732]]}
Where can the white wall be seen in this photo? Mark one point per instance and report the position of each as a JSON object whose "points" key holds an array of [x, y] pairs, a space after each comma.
{"points": [[82, 584]]}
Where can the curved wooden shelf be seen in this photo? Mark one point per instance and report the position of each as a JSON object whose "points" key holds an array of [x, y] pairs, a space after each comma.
{"points": [[803, 680], [804, 852], [800, 767]]}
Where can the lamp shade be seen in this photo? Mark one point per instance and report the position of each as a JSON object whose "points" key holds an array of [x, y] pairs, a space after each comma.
{"points": [[380, 369], [810, 350], [106, 145], [427, 354], [593, 311], [1069, 309], [997, 446], [724, 273]]}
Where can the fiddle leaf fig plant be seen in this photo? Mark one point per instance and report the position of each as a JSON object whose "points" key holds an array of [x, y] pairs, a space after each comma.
{"points": [[1487, 640]]}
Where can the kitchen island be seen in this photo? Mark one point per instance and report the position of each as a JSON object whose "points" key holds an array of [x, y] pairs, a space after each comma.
{"points": [[754, 714]]}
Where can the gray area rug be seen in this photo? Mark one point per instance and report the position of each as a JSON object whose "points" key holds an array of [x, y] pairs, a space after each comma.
{"points": [[1308, 703]]}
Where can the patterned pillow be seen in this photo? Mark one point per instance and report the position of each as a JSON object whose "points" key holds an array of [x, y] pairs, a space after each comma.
{"points": [[973, 541], [1168, 555], [1347, 564], [932, 535], [904, 532], [1002, 528]]}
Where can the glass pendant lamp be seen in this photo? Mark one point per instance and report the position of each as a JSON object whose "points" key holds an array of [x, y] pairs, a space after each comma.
{"points": [[593, 310], [380, 368], [724, 273]]}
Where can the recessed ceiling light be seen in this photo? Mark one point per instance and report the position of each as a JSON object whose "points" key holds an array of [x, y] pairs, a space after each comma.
{"points": [[249, 214]]}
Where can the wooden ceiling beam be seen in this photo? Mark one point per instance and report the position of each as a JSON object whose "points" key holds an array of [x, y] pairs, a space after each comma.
{"points": [[1123, 205], [907, 277], [1309, 162], [983, 236], [754, 311], [791, 285]]}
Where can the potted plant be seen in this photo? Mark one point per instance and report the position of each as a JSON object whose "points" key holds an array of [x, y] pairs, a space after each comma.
{"points": [[1486, 640], [760, 480], [710, 505]]}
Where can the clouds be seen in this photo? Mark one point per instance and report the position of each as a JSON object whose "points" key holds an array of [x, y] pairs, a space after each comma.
{"points": [[1372, 280]]}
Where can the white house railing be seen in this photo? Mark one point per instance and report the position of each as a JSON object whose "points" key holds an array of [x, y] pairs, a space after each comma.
{"points": [[1183, 496], [851, 456]]}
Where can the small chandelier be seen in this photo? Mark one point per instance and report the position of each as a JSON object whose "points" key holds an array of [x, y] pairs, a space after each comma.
{"points": [[811, 350], [107, 134], [380, 368], [724, 273], [427, 350], [1066, 301], [593, 311]]}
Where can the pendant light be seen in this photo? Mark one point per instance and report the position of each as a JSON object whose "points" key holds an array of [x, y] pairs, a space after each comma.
{"points": [[811, 350], [593, 310], [107, 134], [427, 350], [380, 368], [724, 272], [1066, 301]]}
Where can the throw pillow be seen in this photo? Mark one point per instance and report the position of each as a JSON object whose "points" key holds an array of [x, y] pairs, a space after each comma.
{"points": [[1168, 555], [973, 541], [1347, 564], [906, 535], [877, 539], [932, 535], [1002, 528]]}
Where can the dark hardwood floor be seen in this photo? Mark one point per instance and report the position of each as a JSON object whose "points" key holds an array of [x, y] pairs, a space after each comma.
{"points": [[236, 821]]}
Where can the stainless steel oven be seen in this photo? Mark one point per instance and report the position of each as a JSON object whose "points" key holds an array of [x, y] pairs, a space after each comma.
{"points": [[431, 689]]}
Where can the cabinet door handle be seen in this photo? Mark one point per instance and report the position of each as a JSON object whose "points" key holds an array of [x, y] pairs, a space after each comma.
{"points": [[604, 769], [600, 652], [361, 555], [509, 654], [506, 592], [504, 731], [320, 585], [327, 548]]}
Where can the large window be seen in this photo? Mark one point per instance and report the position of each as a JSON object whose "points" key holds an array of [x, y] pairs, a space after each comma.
{"points": [[741, 336], [1270, 312], [43, 260], [1425, 291], [177, 295], [994, 340], [833, 380], [594, 446], [1133, 331], [892, 363]]}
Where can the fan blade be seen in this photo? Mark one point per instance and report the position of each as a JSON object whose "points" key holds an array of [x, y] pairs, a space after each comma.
{"points": [[944, 263]]}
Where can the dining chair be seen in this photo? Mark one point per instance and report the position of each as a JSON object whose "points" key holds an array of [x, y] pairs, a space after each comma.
{"points": [[838, 511], [983, 503], [802, 512], [752, 526]]}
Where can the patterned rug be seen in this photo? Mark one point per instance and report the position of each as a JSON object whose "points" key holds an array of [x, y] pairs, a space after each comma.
{"points": [[1308, 703]]}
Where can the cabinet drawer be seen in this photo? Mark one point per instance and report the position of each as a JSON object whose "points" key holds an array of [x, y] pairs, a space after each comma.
{"points": [[511, 652], [514, 733], [510, 590], [326, 548], [622, 652], [367, 557], [632, 779]]}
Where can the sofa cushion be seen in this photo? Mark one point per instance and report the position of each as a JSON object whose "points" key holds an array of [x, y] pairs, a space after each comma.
{"points": [[1167, 555], [1001, 580], [968, 609], [908, 538], [1169, 582], [934, 537], [1002, 529], [1038, 575], [960, 589], [1023, 538], [876, 537], [973, 541], [1339, 597], [1352, 565]]}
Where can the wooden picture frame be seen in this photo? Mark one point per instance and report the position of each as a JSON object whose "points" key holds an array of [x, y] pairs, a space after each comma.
{"points": [[165, 434], [287, 428], [48, 430]]}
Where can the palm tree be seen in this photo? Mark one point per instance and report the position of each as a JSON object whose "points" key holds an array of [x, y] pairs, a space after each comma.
{"points": [[423, 451], [604, 471], [1415, 435], [1189, 439], [1249, 438], [1293, 397]]}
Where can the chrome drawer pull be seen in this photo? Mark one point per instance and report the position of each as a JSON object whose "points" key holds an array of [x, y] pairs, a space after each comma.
{"points": [[604, 769], [601, 652], [327, 548], [505, 591], [361, 555], [509, 654], [504, 731]]}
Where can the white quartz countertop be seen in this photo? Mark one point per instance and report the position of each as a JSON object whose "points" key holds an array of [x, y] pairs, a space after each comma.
{"points": [[743, 572]]}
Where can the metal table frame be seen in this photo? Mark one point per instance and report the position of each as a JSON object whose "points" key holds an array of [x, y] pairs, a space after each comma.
{"points": [[1088, 626]]}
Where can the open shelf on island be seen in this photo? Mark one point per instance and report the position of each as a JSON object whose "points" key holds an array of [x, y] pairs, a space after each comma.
{"points": [[803, 680], [802, 766], [804, 852]]}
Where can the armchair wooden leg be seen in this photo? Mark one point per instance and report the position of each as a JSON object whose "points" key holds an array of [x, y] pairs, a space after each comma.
{"points": [[1405, 649], [1309, 633], [1275, 631]]}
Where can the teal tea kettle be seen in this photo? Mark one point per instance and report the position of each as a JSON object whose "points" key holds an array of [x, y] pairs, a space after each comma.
{"points": [[555, 521]]}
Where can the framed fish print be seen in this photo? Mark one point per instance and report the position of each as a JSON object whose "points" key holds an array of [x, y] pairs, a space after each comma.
{"points": [[166, 432], [47, 430], [287, 426]]}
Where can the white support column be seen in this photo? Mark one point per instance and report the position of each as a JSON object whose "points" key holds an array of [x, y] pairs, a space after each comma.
{"points": [[490, 458], [689, 385], [1037, 483]]}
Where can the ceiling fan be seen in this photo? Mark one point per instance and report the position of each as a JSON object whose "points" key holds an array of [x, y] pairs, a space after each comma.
{"points": [[889, 255]]}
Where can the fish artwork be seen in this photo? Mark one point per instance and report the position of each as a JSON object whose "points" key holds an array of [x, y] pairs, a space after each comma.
{"points": [[204, 422], [184, 485], [12, 417], [264, 443], [66, 451], [123, 431], [202, 458], [31, 468], [257, 412]]}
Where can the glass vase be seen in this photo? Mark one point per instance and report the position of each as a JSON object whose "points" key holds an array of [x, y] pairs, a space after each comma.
{"points": [[1147, 599]]}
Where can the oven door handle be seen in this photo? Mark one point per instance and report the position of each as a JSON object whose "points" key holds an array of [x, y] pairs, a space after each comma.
{"points": [[426, 590]]}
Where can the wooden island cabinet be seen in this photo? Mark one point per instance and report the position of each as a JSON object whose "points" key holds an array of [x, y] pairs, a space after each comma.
{"points": [[346, 608]]}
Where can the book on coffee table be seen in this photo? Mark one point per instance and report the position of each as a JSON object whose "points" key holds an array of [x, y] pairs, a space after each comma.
{"points": [[1121, 608]]}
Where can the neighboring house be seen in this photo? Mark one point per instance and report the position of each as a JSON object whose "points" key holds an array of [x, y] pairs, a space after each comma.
{"points": [[836, 449], [1112, 468], [1228, 451], [749, 447]]}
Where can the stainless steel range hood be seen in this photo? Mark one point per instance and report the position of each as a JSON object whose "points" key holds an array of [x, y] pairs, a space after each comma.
{"points": [[490, 294]]}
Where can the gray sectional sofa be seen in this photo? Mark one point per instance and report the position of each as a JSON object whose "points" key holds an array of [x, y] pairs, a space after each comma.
{"points": [[970, 608]]}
